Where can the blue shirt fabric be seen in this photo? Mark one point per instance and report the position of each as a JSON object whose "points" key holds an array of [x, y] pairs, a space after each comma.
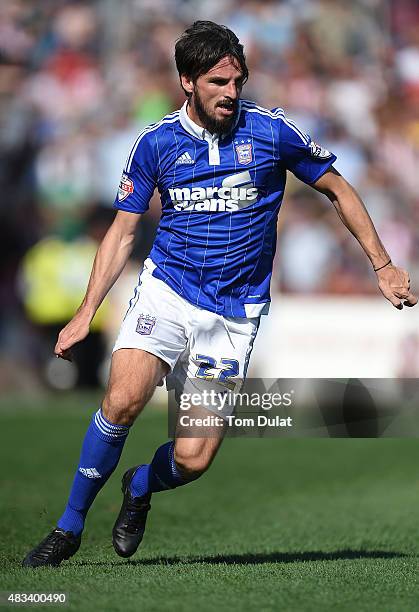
{"points": [[220, 200]]}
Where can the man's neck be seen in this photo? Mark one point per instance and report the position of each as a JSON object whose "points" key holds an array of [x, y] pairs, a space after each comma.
{"points": [[193, 116]]}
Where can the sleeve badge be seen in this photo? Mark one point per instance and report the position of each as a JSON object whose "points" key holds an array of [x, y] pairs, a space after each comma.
{"points": [[126, 187], [318, 151]]}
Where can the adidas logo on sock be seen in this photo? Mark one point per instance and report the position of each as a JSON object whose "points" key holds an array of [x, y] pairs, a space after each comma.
{"points": [[185, 158], [90, 472]]}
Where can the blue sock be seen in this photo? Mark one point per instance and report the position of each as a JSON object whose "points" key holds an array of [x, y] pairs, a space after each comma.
{"points": [[159, 475], [101, 450]]}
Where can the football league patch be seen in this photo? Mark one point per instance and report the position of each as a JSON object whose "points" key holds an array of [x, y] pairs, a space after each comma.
{"points": [[318, 151], [145, 324], [126, 187], [244, 153]]}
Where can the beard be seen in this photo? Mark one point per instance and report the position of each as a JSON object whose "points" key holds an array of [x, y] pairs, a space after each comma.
{"points": [[208, 118]]}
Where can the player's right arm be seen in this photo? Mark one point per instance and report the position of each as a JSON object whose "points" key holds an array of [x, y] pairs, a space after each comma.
{"points": [[136, 188], [110, 260]]}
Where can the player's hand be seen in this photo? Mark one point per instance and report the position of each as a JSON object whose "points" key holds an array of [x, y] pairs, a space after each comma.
{"points": [[75, 331], [394, 284]]}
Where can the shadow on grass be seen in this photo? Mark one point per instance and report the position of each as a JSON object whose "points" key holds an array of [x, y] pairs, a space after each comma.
{"points": [[254, 559]]}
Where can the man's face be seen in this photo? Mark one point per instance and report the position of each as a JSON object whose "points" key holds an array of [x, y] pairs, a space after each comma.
{"points": [[215, 96]]}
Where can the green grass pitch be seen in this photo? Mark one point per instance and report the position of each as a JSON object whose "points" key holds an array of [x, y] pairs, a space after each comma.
{"points": [[290, 525]]}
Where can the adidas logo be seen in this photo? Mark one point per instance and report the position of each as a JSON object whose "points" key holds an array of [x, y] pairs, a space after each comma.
{"points": [[90, 472], [185, 158]]}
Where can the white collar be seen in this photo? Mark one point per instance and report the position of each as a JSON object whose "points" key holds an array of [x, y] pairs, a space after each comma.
{"points": [[197, 130]]}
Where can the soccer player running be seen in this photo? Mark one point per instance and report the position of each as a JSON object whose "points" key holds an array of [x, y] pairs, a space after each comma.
{"points": [[220, 166]]}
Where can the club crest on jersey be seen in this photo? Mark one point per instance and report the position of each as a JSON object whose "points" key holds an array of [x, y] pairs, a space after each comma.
{"points": [[244, 153], [318, 151], [145, 324], [126, 187]]}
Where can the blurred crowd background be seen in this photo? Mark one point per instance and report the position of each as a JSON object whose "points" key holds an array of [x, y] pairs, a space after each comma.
{"points": [[78, 80]]}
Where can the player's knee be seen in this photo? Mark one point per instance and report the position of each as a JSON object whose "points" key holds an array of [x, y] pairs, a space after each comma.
{"points": [[120, 407], [191, 463]]}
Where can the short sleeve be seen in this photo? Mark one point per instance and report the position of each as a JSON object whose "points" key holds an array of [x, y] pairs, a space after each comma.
{"points": [[138, 179], [300, 154]]}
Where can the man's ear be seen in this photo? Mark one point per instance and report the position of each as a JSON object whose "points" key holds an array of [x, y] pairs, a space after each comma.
{"points": [[187, 84]]}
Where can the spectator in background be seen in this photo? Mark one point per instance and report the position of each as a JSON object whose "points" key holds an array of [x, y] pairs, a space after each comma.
{"points": [[54, 276]]}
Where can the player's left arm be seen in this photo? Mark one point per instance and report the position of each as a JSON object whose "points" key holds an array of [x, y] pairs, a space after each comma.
{"points": [[393, 282]]}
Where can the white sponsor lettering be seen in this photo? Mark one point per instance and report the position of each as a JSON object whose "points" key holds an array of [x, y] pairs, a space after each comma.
{"points": [[236, 192]]}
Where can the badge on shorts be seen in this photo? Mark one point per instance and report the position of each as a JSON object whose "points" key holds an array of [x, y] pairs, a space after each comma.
{"points": [[145, 324], [126, 187]]}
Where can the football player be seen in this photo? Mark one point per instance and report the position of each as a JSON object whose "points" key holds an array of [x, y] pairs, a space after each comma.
{"points": [[220, 165]]}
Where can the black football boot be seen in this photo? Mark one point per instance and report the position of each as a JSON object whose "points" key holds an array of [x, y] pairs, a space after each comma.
{"points": [[129, 527], [58, 546]]}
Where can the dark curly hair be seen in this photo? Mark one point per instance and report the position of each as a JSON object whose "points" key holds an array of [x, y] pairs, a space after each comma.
{"points": [[203, 45]]}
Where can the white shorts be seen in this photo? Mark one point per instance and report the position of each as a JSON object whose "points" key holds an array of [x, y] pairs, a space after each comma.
{"points": [[200, 347]]}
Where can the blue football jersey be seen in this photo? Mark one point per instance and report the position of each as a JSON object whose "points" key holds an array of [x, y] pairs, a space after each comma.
{"points": [[220, 200]]}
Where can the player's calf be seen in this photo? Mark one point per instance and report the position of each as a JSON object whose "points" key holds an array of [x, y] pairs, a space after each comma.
{"points": [[193, 457]]}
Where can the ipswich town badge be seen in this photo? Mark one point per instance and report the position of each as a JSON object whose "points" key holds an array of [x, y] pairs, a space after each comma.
{"points": [[145, 324], [126, 187], [244, 153]]}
